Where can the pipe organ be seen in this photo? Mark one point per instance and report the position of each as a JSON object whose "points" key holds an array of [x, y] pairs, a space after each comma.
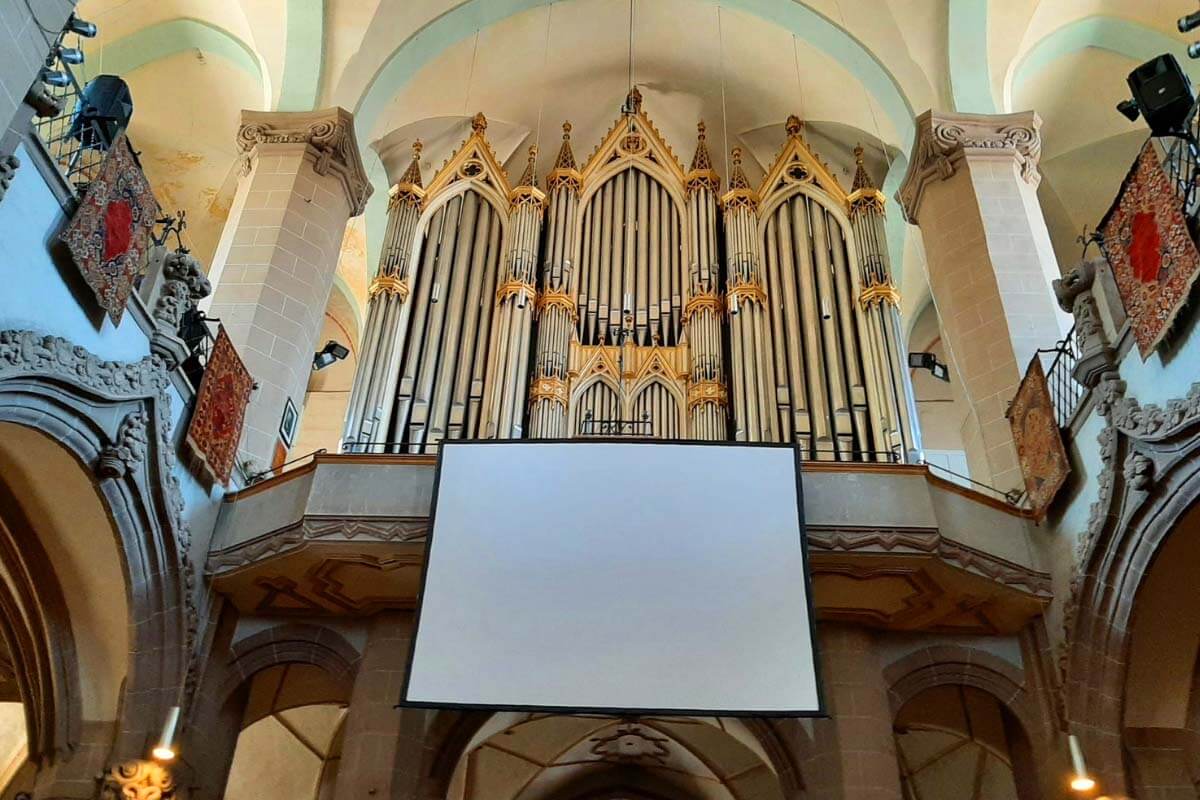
{"points": [[632, 298]]}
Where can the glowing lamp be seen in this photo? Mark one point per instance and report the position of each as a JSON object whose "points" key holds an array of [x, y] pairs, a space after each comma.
{"points": [[165, 749]]}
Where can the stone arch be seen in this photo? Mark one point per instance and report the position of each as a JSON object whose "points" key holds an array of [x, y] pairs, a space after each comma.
{"points": [[450, 735], [114, 420], [293, 643], [1150, 478]]}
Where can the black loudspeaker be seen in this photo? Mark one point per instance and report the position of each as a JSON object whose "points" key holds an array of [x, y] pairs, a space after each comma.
{"points": [[1163, 93], [103, 112]]}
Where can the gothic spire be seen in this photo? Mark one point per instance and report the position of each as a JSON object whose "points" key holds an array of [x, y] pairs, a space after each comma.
{"points": [[412, 175], [529, 176], [737, 178], [701, 160], [861, 179]]}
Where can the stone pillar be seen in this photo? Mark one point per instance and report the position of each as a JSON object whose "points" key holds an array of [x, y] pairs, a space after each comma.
{"points": [[854, 749], [381, 748], [972, 189], [302, 180]]}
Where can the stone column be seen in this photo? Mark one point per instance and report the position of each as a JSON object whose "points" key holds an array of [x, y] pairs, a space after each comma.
{"points": [[382, 743], [855, 748], [972, 189], [302, 180]]}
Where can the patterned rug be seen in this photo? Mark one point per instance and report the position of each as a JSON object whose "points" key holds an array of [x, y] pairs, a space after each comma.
{"points": [[110, 233], [216, 426], [1153, 258], [1040, 450]]}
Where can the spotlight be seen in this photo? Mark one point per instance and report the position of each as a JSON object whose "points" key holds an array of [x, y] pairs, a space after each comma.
{"points": [[1193, 50], [165, 749], [331, 352], [1163, 94], [1080, 781], [70, 55], [56, 78], [929, 361], [81, 27], [1188, 22], [1129, 108]]}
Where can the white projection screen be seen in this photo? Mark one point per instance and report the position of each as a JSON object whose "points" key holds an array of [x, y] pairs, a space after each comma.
{"points": [[616, 577]]}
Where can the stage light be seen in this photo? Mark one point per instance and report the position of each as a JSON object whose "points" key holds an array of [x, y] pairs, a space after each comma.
{"points": [[81, 27], [929, 361], [1129, 108], [1163, 94], [1188, 22], [331, 352], [56, 78], [70, 55], [165, 749]]}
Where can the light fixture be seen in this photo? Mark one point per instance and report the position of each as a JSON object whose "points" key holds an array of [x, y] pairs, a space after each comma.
{"points": [[1080, 780], [81, 27], [70, 55], [56, 78], [929, 361], [165, 749], [331, 352]]}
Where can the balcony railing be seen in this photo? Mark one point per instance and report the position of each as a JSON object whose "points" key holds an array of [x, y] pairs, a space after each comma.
{"points": [[1066, 393]]}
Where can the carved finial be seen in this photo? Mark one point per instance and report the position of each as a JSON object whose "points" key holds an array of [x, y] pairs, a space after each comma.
{"points": [[794, 125], [412, 175], [737, 178], [479, 123], [701, 160], [566, 158], [700, 129], [633, 102], [529, 176], [861, 179]]}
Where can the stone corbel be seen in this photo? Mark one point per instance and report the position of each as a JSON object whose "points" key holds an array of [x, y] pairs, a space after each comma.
{"points": [[1074, 293], [944, 140], [128, 447], [330, 135], [182, 286]]}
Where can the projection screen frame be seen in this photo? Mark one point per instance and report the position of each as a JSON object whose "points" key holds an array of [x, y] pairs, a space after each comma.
{"points": [[821, 710]]}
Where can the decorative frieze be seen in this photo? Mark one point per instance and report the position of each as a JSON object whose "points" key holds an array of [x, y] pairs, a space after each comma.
{"points": [[945, 139], [127, 449]]}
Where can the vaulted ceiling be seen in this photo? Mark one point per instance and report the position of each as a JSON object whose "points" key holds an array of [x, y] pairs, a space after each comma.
{"points": [[420, 68]]}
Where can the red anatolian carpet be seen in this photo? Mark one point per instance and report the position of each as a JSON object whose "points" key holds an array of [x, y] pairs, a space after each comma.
{"points": [[1153, 258], [110, 233], [216, 426], [1040, 450]]}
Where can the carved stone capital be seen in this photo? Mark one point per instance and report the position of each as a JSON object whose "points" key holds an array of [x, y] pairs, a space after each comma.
{"points": [[945, 139], [8, 168], [144, 780], [330, 134]]}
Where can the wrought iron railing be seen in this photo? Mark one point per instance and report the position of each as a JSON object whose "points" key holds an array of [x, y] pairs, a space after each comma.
{"points": [[1066, 393], [278, 469], [636, 428], [1182, 164]]}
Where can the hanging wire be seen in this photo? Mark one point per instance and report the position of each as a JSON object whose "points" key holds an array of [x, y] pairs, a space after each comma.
{"points": [[724, 113], [631, 45], [799, 83], [537, 139], [470, 75]]}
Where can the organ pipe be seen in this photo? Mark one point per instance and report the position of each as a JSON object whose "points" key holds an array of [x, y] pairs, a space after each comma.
{"points": [[879, 303], [556, 305], [707, 395], [746, 298], [514, 309], [375, 379], [605, 300]]}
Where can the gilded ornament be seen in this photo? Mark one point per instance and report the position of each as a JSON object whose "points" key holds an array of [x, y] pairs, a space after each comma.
{"points": [[389, 285], [879, 293], [710, 392]]}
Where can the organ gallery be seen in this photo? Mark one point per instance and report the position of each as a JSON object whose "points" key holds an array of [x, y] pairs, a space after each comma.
{"points": [[627, 294]]}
